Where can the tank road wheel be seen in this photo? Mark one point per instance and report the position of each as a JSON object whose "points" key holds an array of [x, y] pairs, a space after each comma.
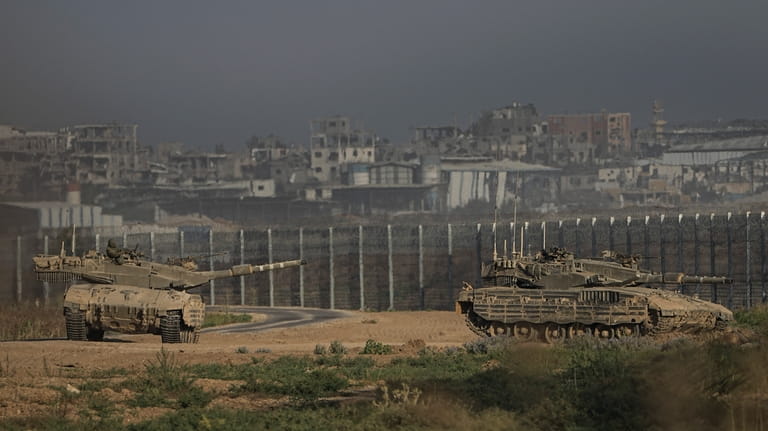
{"points": [[627, 330], [189, 334], [579, 330], [524, 331], [499, 329], [604, 332], [170, 328], [554, 333], [94, 334], [75, 322]]}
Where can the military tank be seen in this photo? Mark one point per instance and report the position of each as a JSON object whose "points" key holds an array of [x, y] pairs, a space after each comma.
{"points": [[127, 294], [555, 296]]}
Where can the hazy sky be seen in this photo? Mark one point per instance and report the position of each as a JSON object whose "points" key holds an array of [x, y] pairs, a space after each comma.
{"points": [[207, 72]]}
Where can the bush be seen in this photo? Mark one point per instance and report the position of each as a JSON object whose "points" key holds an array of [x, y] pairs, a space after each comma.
{"points": [[336, 348], [373, 347]]}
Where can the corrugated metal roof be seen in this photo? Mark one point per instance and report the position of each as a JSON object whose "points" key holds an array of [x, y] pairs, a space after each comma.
{"points": [[751, 143], [496, 165]]}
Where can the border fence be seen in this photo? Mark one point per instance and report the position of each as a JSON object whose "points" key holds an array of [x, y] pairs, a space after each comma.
{"points": [[420, 267]]}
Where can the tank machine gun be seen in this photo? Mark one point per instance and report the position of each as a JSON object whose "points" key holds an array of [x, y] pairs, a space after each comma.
{"points": [[556, 295], [135, 295]]}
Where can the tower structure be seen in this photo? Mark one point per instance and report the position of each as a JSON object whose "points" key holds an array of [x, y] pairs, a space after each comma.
{"points": [[658, 122]]}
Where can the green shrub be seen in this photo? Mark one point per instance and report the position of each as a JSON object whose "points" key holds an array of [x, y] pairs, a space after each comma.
{"points": [[373, 347], [336, 348], [166, 383]]}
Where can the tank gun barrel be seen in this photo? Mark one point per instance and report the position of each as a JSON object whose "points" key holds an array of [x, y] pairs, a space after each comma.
{"points": [[680, 278], [247, 269]]}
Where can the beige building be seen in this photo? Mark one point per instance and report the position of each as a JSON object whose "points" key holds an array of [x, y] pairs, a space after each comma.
{"points": [[335, 144], [107, 154]]}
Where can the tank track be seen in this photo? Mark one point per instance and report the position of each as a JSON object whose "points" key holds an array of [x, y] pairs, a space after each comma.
{"points": [[172, 330], [75, 322], [483, 328], [472, 321], [189, 334]]}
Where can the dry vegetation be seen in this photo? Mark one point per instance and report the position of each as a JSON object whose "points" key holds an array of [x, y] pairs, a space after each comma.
{"points": [[486, 384], [31, 320]]}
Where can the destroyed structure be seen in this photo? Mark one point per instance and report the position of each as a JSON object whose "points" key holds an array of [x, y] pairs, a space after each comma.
{"points": [[508, 156]]}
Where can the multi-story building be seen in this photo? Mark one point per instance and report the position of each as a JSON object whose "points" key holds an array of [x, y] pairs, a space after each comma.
{"points": [[592, 138], [335, 144], [33, 164], [107, 154]]}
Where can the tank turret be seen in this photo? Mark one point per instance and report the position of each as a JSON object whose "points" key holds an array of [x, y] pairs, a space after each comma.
{"points": [[122, 292], [558, 269], [97, 268]]}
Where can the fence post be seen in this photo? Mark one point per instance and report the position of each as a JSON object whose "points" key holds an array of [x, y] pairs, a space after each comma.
{"points": [[749, 264], [450, 257], [181, 243], [46, 286], [763, 293], [712, 253], [662, 250], [525, 240], [647, 242], [390, 269], [242, 261], [271, 273], [611, 243], [729, 232], [578, 238], [478, 255], [301, 267], [97, 242], [360, 266], [331, 280], [125, 239], [680, 244], [594, 237], [152, 246], [18, 269], [210, 262], [421, 267], [560, 237], [544, 235], [629, 236], [696, 245], [512, 237]]}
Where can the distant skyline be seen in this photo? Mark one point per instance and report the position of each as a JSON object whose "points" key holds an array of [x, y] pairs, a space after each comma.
{"points": [[208, 73]]}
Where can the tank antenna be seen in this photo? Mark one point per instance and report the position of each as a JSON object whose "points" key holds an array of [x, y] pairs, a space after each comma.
{"points": [[495, 253]]}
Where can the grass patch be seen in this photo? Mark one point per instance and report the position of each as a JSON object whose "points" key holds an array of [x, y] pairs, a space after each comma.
{"points": [[31, 320], [756, 319], [219, 319], [585, 384]]}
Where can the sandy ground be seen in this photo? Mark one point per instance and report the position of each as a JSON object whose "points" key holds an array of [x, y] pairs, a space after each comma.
{"points": [[55, 357], [32, 373]]}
